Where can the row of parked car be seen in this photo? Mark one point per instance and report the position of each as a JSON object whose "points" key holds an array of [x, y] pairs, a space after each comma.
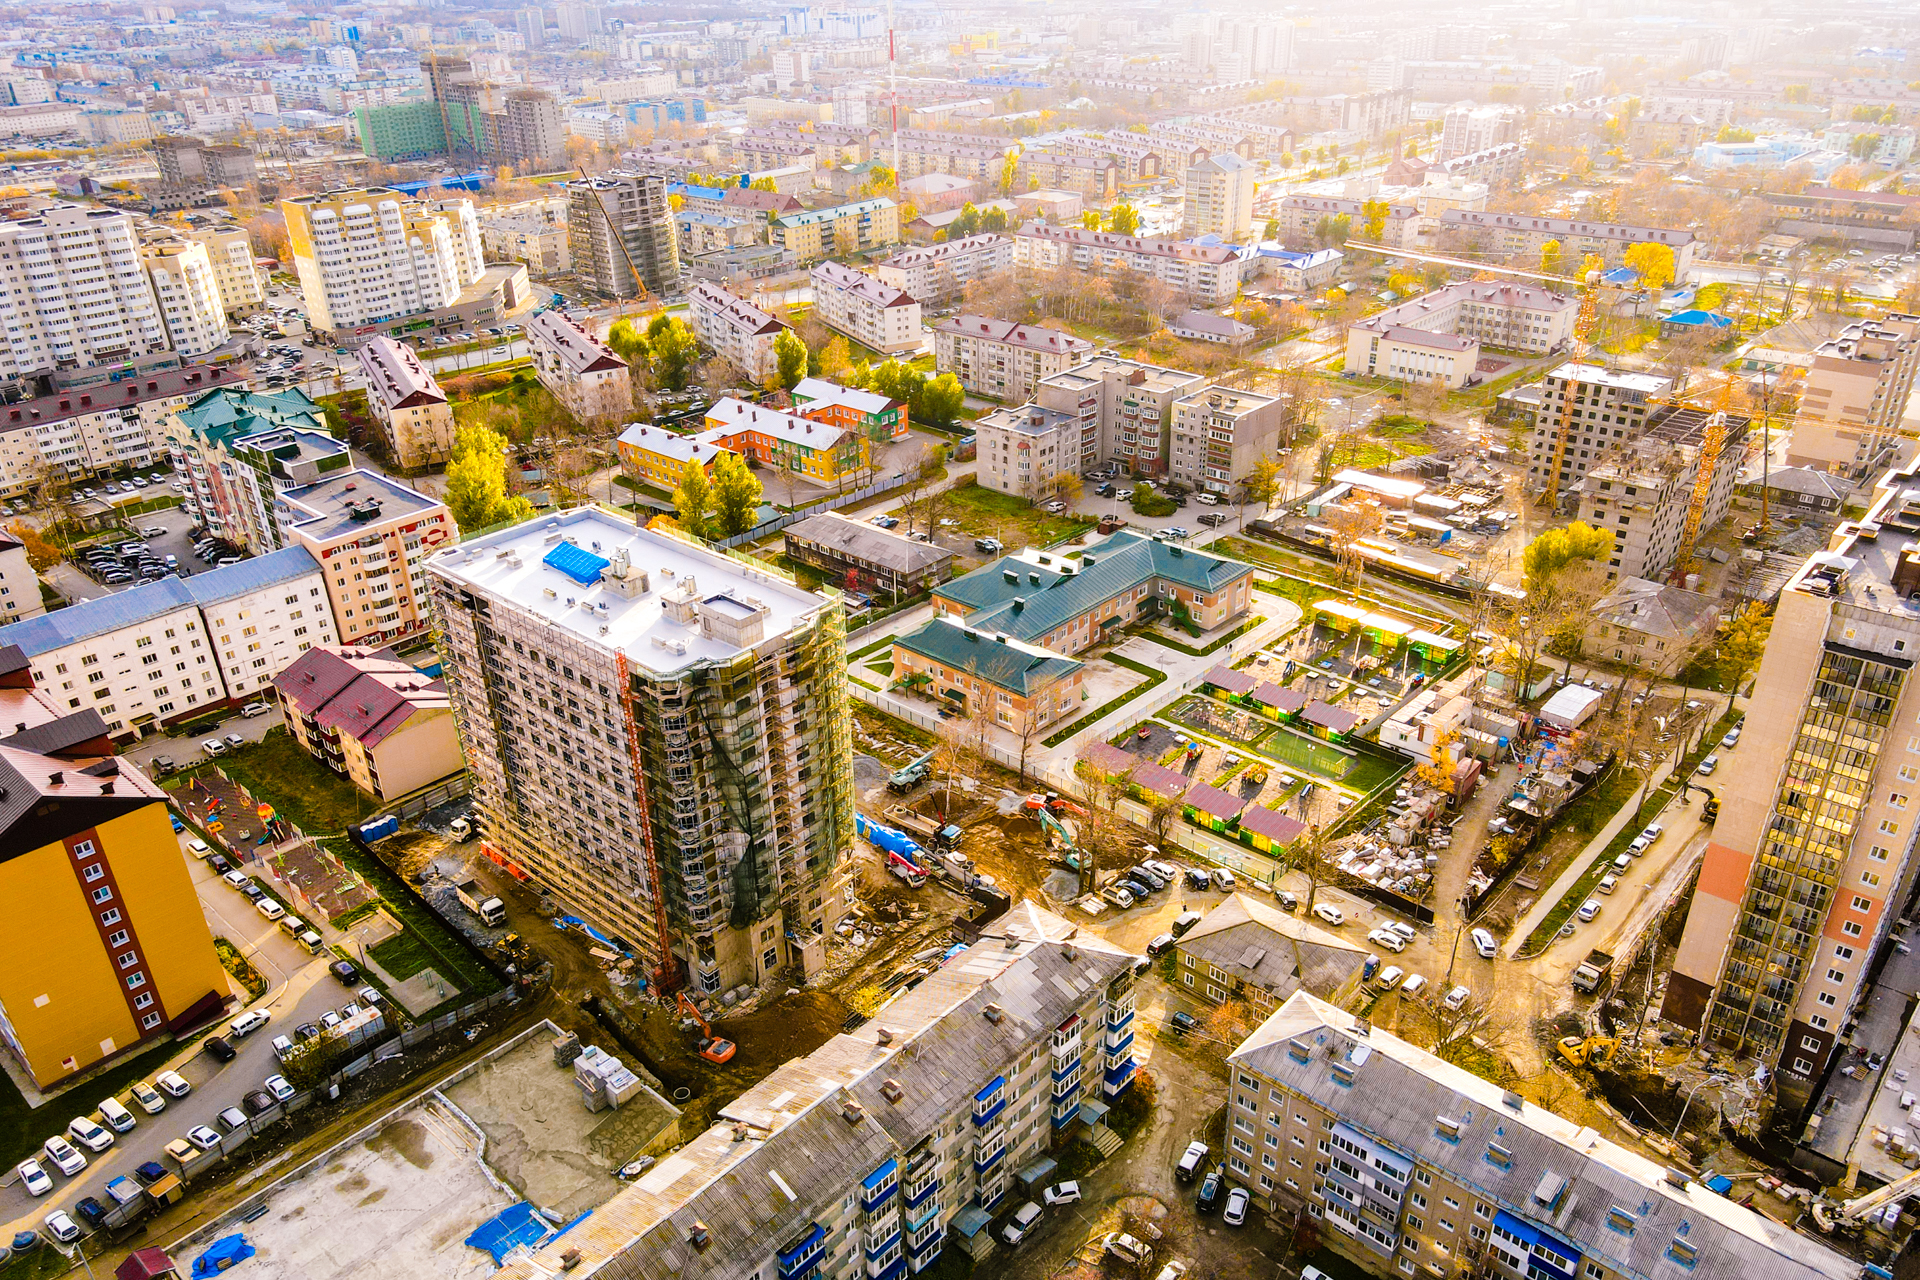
{"points": [[1138, 883]]}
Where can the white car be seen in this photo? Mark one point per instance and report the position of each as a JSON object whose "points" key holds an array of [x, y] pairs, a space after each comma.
{"points": [[1390, 977], [1235, 1214], [65, 1156], [173, 1084], [1021, 1224], [1389, 939], [1589, 909], [1330, 913], [93, 1137], [1456, 997], [33, 1177], [1402, 928], [1484, 944], [1061, 1193], [1223, 879], [148, 1097], [248, 1023], [279, 1087], [61, 1227]]}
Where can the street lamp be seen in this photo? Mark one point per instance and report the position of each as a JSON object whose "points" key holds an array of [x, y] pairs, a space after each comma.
{"points": [[1713, 1080]]}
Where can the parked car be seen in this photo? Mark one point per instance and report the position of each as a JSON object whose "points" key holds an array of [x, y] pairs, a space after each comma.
{"points": [[61, 1227], [1456, 997], [148, 1098], [1330, 913], [91, 1212], [279, 1087], [205, 1138], [1286, 899], [220, 1050], [66, 1157], [1732, 737], [1387, 938], [253, 709], [1588, 910], [344, 972], [33, 1177], [1199, 878], [1117, 896], [1190, 1161], [1235, 1214], [1484, 944], [990, 546], [1183, 922], [1160, 944], [1707, 766], [1414, 985], [1182, 1021], [1165, 870], [248, 1023], [1208, 1197], [1021, 1224], [1223, 879], [181, 1151], [256, 1102], [92, 1136], [1061, 1193], [1390, 977], [173, 1084], [1126, 1248]]}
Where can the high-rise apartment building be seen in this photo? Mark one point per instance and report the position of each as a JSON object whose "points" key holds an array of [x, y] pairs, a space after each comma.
{"points": [[410, 410], [735, 328], [1812, 858], [1125, 410], [619, 224], [230, 253], [369, 256], [1855, 395], [659, 735], [1643, 490], [188, 292], [1412, 1166], [73, 292], [111, 951], [1466, 129], [531, 131], [1219, 433], [1220, 198], [190, 163], [899, 1139], [532, 26], [1599, 409]]}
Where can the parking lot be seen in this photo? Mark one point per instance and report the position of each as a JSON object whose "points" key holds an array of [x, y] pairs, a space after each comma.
{"points": [[74, 581]]}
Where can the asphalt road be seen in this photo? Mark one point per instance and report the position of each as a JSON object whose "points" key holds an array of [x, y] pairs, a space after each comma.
{"points": [[300, 989]]}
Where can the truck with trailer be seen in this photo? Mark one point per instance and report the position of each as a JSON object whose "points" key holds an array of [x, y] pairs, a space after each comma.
{"points": [[1592, 971], [491, 911]]}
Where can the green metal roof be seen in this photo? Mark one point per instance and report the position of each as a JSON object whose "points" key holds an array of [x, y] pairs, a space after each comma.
{"points": [[1002, 663], [229, 413]]}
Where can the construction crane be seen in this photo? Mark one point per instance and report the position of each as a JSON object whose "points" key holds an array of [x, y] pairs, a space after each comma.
{"points": [[1713, 442], [712, 1047]]}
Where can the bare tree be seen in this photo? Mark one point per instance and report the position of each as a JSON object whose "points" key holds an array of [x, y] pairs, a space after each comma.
{"points": [[1462, 1035], [1346, 526], [1310, 859]]}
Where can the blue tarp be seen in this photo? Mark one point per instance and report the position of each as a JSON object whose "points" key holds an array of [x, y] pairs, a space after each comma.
{"points": [[576, 562], [226, 1251], [563, 922], [512, 1227], [1720, 1183]]}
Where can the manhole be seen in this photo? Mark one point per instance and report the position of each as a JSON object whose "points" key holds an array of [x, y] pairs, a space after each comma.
{"points": [[682, 1094]]}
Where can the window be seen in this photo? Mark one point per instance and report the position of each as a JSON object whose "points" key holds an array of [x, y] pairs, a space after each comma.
{"points": [[110, 916], [1843, 953], [92, 871], [118, 938], [1811, 1043], [1836, 975], [1802, 1067], [1826, 998], [1869, 879], [128, 959], [1877, 853], [1862, 904], [103, 894], [135, 981], [142, 1000], [149, 1021], [1851, 928], [1415, 1222]]}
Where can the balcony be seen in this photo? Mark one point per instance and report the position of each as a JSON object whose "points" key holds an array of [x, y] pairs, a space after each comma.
{"points": [[878, 1242], [920, 1193], [801, 1259], [1118, 1078], [878, 1187], [985, 1160], [989, 1102], [1118, 1045]]}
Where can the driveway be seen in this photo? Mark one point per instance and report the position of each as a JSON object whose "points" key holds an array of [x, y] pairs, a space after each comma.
{"points": [[299, 990]]}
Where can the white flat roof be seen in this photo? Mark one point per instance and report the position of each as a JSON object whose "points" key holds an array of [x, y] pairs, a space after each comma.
{"points": [[632, 625]]}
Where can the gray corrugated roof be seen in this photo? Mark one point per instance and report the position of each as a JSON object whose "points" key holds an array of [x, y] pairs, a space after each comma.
{"points": [[1248, 939], [1399, 1090], [868, 542]]}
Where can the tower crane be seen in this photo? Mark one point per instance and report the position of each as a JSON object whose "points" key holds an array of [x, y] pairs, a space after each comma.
{"points": [[1713, 442]]}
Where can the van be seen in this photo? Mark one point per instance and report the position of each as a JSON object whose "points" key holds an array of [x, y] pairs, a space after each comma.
{"points": [[253, 709], [310, 942], [1607, 884], [1185, 921], [118, 1118], [292, 926]]}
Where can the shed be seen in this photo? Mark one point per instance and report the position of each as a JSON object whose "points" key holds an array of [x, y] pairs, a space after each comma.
{"points": [[1571, 707], [1227, 680]]}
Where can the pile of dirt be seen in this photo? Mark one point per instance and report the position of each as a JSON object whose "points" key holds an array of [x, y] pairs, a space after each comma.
{"points": [[790, 1027]]}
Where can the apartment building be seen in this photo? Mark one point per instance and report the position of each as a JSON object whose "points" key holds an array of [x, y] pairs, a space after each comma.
{"points": [[187, 162], [1220, 198], [1812, 858], [370, 256], [582, 372], [19, 584], [1649, 626], [371, 718], [187, 292], [1093, 177], [73, 292], [1022, 687], [1139, 158], [618, 224], [1301, 218], [659, 456], [409, 409], [1027, 450], [1246, 949], [1666, 133], [1413, 1166], [237, 450], [1517, 234], [899, 1139], [112, 953], [96, 425], [1206, 275], [1061, 605], [866, 558], [735, 328], [1855, 396], [939, 273], [844, 229], [1467, 128], [706, 816], [1643, 489], [371, 537], [1600, 409], [815, 449], [870, 311], [1124, 408], [1219, 433], [1001, 359], [1438, 335], [162, 652], [956, 155], [238, 280], [879, 418]]}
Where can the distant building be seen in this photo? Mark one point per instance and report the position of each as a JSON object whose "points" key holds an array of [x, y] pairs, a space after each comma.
{"points": [[1301, 218], [869, 311], [1599, 408], [939, 273], [1220, 198], [1001, 359], [236, 276], [367, 257], [1248, 950], [1209, 326], [371, 717], [1855, 394], [1299, 272], [1207, 275], [1438, 335], [736, 329], [581, 371], [1093, 177], [1521, 235], [845, 229], [65, 262], [412, 412]]}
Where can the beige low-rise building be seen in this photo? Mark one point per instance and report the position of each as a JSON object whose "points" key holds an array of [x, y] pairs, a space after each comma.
{"points": [[1649, 626], [870, 311], [1001, 358], [581, 371], [412, 412], [1856, 395], [372, 718]]}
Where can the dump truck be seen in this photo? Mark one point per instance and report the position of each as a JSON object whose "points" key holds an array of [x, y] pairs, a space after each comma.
{"points": [[1592, 971], [490, 910], [460, 829]]}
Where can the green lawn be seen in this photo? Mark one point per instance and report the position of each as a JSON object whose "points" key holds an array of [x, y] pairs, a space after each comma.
{"points": [[406, 954], [982, 511], [22, 1129], [1153, 678], [306, 792]]}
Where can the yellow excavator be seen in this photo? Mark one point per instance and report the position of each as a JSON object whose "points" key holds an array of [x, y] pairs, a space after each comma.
{"points": [[1589, 1051]]}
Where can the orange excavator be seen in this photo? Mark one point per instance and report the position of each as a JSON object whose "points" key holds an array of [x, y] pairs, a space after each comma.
{"points": [[712, 1047]]}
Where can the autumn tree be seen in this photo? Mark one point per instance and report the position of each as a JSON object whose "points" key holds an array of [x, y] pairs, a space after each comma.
{"points": [[1375, 225], [1553, 258], [1744, 642], [1564, 576], [673, 348], [1262, 483], [1653, 263], [836, 360], [1346, 526], [735, 494], [477, 482], [1311, 857], [791, 355], [1124, 220], [41, 554], [693, 500]]}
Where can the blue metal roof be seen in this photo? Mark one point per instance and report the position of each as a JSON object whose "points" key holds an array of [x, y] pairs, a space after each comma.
{"points": [[992, 1087], [880, 1175], [576, 562], [135, 605]]}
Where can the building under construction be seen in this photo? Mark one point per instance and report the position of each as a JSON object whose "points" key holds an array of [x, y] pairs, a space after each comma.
{"points": [[659, 735], [1646, 488], [619, 225]]}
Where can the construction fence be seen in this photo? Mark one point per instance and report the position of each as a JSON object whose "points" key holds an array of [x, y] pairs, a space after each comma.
{"points": [[834, 503]]}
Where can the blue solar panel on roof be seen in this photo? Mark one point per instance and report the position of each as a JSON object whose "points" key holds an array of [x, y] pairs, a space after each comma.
{"points": [[576, 562]]}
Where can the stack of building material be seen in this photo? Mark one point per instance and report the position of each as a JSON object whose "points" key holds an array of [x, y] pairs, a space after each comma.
{"points": [[603, 1079]]}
